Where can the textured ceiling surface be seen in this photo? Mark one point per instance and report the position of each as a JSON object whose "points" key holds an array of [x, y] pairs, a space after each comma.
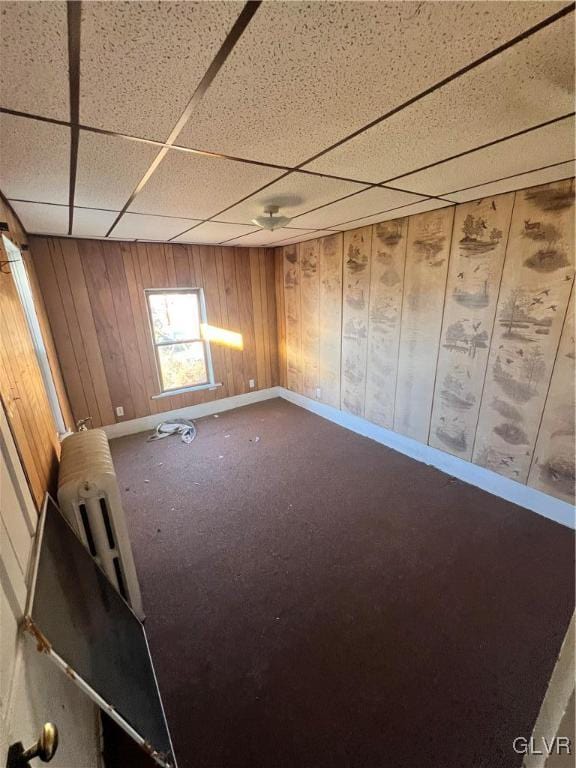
{"points": [[194, 116]]}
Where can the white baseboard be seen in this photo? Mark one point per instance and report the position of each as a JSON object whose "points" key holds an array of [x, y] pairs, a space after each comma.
{"points": [[530, 498], [146, 423]]}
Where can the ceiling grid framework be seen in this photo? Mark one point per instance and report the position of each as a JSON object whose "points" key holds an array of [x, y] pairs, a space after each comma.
{"points": [[489, 86]]}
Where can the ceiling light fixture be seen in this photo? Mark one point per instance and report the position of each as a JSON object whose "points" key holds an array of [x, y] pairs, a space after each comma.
{"points": [[270, 221]]}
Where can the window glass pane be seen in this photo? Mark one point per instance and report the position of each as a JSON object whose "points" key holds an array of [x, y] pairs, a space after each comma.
{"points": [[182, 365], [175, 316]]}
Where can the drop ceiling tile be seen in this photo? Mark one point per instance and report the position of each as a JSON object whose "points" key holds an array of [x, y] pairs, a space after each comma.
{"points": [[34, 58], [109, 168], [199, 187], [135, 226], [92, 223], [142, 61], [263, 237], [528, 84], [306, 74], [362, 204], [552, 144], [35, 160], [215, 232], [521, 181], [395, 213], [42, 219], [296, 193]]}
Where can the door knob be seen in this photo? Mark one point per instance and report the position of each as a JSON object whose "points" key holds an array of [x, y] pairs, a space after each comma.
{"points": [[45, 748]]}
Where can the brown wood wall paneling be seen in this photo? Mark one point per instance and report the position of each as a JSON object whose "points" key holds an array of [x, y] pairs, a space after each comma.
{"points": [[474, 334], [95, 301], [22, 389]]}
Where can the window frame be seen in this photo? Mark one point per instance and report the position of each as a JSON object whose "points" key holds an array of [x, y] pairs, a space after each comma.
{"points": [[210, 382], [25, 292]]}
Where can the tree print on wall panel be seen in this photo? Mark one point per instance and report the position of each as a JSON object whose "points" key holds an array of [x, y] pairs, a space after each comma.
{"points": [[356, 290], [536, 284], [476, 261], [386, 285], [427, 254], [552, 469], [310, 307], [291, 264], [330, 255]]}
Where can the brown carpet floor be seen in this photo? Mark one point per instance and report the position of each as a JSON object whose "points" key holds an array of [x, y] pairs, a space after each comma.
{"points": [[316, 600]]}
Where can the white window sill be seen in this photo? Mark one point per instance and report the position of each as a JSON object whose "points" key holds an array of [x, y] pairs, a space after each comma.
{"points": [[182, 391]]}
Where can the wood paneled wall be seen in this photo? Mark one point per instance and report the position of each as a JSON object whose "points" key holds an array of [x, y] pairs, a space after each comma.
{"points": [[94, 295], [457, 330], [21, 385]]}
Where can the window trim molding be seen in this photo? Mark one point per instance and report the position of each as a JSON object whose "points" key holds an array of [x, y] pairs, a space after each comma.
{"points": [[184, 390], [210, 383]]}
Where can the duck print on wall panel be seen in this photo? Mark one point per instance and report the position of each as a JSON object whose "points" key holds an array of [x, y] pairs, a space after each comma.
{"points": [[552, 469], [356, 287], [536, 284], [330, 258], [386, 285], [427, 254], [291, 264], [310, 307], [476, 261]]}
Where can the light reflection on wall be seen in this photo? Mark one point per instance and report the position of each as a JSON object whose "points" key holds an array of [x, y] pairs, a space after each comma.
{"points": [[222, 336]]}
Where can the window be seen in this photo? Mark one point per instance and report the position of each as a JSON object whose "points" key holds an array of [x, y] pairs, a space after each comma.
{"points": [[24, 289], [177, 317]]}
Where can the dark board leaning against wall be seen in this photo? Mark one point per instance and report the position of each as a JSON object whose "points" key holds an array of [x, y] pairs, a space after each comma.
{"points": [[451, 331]]}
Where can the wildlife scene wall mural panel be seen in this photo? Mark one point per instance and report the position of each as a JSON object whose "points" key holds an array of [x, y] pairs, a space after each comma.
{"points": [[330, 318], [310, 303], [451, 327], [534, 293], [356, 287], [427, 255], [386, 287], [476, 261], [293, 317], [552, 469]]}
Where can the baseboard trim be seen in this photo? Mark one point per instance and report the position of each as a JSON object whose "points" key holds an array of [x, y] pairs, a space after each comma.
{"points": [[146, 423], [530, 498]]}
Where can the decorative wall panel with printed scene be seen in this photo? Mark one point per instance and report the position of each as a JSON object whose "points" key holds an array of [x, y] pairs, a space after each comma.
{"points": [[455, 328]]}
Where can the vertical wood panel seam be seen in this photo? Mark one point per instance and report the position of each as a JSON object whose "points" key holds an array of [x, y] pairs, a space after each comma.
{"points": [[493, 326], [441, 325]]}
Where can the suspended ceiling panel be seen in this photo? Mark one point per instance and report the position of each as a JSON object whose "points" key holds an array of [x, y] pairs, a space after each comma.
{"points": [[295, 194], [35, 160], [198, 187], [524, 86], [142, 61], [34, 55], [214, 232], [109, 168], [263, 237], [548, 145], [91, 223], [304, 75], [522, 181], [366, 203], [42, 219], [135, 227], [397, 213]]}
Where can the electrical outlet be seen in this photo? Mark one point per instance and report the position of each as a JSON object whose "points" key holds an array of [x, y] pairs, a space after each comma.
{"points": [[251, 383], [119, 411], [318, 393]]}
